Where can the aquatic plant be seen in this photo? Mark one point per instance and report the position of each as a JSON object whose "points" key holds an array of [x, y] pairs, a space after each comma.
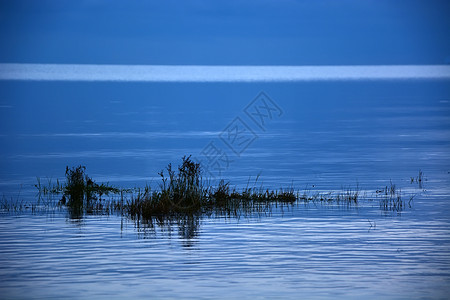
{"points": [[79, 187], [50, 188], [347, 196], [182, 192], [13, 204], [391, 198], [420, 179]]}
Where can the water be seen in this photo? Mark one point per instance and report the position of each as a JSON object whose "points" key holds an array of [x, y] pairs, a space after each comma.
{"points": [[329, 136]]}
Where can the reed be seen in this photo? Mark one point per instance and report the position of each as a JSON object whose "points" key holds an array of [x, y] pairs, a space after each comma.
{"points": [[391, 198], [182, 192], [419, 179]]}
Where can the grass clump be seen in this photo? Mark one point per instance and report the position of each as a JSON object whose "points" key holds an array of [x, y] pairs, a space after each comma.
{"points": [[183, 192], [79, 192], [180, 192], [391, 198], [183, 189], [80, 189], [82, 193]]}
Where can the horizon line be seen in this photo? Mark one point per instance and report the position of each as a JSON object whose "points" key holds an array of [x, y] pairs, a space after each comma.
{"points": [[219, 73]]}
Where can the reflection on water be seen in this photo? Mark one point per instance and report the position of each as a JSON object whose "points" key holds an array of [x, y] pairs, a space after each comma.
{"points": [[188, 226]]}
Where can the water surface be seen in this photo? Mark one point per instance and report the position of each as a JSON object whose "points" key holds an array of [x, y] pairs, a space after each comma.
{"points": [[329, 136]]}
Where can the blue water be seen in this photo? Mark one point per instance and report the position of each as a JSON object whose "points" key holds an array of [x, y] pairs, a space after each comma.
{"points": [[324, 137]]}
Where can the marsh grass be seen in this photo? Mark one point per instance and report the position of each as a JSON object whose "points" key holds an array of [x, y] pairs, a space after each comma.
{"points": [[419, 179], [13, 204], [345, 197], [80, 193], [50, 188], [182, 192], [390, 198]]}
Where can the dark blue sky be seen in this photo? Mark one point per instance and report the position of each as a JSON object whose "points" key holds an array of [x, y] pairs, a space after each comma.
{"points": [[225, 32]]}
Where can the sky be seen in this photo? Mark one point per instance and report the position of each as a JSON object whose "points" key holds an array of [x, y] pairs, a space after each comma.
{"points": [[256, 32]]}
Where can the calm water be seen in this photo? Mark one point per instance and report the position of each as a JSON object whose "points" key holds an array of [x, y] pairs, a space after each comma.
{"points": [[324, 137]]}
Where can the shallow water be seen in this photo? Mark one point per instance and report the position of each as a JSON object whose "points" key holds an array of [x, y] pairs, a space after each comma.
{"points": [[329, 136]]}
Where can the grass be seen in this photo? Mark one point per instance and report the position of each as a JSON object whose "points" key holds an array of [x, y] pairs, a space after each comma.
{"points": [[346, 196], [80, 189], [183, 198], [419, 179], [80, 193], [13, 204], [182, 192], [391, 198]]}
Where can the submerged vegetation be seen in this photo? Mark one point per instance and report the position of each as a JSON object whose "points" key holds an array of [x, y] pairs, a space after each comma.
{"points": [[183, 194]]}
